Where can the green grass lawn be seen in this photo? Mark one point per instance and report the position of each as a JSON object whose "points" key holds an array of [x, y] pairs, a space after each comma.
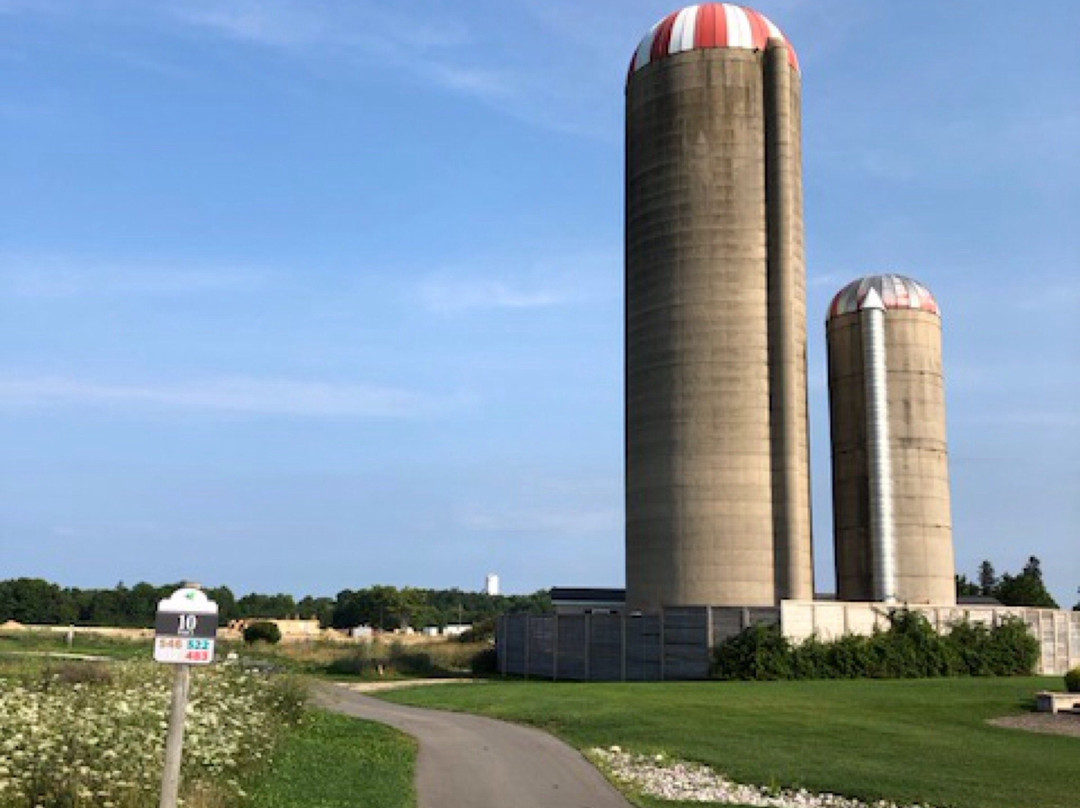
{"points": [[905, 740], [337, 762]]}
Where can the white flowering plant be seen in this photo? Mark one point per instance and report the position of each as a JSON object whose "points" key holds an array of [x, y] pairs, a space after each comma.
{"points": [[97, 738]]}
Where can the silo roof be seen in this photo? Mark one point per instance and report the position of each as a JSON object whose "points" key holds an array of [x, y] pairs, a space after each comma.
{"points": [[708, 25], [892, 291]]}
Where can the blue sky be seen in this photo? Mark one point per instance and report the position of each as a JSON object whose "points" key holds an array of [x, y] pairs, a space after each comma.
{"points": [[300, 295]]}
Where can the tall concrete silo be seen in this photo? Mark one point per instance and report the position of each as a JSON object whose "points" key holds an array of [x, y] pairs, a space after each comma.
{"points": [[717, 468], [891, 517]]}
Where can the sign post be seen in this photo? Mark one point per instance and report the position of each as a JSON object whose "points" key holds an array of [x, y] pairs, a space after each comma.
{"points": [[185, 631]]}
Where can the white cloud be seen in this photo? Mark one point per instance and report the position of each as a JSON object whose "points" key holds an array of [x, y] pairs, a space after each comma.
{"points": [[545, 520], [1034, 419], [556, 505], [449, 295], [475, 81], [60, 276], [300, 23], [830, 280], [1062, 294], [270, 23], [236, 395], [431, 44], [590, 277], [25, 6], [430, 47], [574, 94]]}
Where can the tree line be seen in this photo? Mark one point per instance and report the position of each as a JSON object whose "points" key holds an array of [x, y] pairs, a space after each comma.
{"points": [[1023, 589], [38, 602]]}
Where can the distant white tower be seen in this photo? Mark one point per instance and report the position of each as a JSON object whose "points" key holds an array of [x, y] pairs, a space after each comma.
{"points": [[491, 584]]}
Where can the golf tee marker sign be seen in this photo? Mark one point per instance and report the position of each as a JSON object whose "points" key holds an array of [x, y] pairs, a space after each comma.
{"points": [[185, 628]]}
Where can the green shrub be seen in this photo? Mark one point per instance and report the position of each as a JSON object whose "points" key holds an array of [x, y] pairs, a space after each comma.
{"points": [[87, 673], [262, 631], [452, 658], [360, 662], [849, 657], [400, 659], [909, 648], [409, 662], [759, 653], [1012, 650], [481, 631], [1072, 680], [287, 697], [485, 662], [969, 643], [1008, 649], [810, 660]]}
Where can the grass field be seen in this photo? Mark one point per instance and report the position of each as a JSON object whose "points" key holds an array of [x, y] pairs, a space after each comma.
{"points": [[338, 762], [905, 740], [909, 741]]}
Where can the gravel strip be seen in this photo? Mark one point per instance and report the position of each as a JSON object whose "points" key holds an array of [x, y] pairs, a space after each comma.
{"points": [[1060, 724], [676, 780]]}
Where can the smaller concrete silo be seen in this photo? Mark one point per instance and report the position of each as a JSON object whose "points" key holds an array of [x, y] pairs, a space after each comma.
{"points": [[891, 515]]}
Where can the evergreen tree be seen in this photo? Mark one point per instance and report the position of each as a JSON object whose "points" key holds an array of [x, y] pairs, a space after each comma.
{"points": [[965, 588], [1026, 589], [988, 580]]}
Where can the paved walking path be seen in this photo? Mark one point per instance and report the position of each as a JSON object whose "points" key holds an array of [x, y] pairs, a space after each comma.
{"points": [[467, 761]]}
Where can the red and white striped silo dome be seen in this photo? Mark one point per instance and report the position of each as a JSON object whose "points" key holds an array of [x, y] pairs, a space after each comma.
{"points": [[708, 25], [894, 292]]}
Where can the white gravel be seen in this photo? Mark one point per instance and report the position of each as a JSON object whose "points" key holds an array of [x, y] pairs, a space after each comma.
{"points": [[668, 779]]}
